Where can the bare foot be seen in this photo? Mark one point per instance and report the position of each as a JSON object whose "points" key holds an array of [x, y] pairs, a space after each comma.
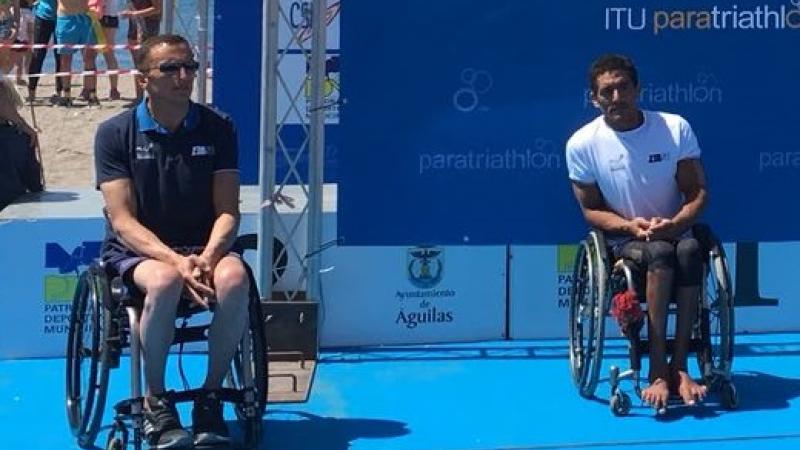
{"points": [[657, 393], [688, 389]]}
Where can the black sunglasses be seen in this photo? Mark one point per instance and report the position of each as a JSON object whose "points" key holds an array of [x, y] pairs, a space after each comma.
{"points": [[175, 67]]}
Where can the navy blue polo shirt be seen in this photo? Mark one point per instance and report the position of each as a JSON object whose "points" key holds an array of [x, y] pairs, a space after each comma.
{"points": [[171, 173]]}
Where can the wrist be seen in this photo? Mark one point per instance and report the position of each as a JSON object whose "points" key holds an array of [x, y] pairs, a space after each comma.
{"points": [[174, 258], [628, 227]]}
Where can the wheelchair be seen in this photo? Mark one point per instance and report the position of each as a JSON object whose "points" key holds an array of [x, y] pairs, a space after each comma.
{"points": [[104, 321], [596, 279]]}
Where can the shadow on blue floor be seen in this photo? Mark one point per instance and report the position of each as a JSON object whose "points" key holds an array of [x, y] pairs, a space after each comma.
{"points": [[761, 391], [328, 433]]}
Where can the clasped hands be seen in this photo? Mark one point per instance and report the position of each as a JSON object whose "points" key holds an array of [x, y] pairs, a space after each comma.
{"points": [[198, 279], [654, 229]]}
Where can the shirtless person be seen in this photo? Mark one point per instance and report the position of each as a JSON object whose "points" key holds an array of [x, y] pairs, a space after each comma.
{"points": [[74, 26]]}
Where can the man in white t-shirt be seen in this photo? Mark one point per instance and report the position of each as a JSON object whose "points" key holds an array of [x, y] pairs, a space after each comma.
{"points": [[637, 176]]}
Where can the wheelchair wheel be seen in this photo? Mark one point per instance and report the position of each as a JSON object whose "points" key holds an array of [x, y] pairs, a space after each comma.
{"points": [[587, 313], [87, 357], [254, 362], [716, 320]]}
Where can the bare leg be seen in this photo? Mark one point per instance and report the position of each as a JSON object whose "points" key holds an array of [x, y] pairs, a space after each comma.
{"points": [[20, 62], [659, 287], [6, 61], [66, 80], [689, 391], [230, 317], [139, 91], [111, 62], [162, 285], [89, 81]]}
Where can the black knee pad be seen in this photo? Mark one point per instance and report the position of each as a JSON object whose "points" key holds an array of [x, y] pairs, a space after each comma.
{"points": [[647, 255], [689, 271], [660, 255]]}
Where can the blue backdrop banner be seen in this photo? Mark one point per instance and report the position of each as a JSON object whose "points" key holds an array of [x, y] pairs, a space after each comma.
{"points": [[457, 112]]}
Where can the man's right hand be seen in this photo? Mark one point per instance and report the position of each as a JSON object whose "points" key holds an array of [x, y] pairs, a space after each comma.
{"points": [[198, 291], [639, 227]]}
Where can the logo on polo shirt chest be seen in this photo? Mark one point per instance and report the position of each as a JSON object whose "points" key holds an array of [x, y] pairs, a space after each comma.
{"points": [[657, 157], [202, 150], [617, 163], [145, 151]]}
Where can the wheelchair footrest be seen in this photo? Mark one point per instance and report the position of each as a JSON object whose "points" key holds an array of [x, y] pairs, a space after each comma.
{"points": [[124, 408], [292, 348]]}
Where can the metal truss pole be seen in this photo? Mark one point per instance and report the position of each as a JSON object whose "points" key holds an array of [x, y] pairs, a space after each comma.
{"points": [[316, 148], [202, 38], [169, 16], [267, 147]]}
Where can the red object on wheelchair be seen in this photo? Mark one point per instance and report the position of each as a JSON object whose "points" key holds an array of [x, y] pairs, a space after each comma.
{"points": [[626, 309]]}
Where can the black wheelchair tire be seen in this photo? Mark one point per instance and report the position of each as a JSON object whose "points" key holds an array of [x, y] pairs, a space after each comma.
{"points": [[88, 318], [715, 360], [251, 425]]}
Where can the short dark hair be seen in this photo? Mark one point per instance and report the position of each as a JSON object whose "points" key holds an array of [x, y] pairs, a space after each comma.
{"points": [[611, 62], [143, 53]]}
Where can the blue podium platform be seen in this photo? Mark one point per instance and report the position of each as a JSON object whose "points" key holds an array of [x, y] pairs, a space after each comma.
{"points": [[476, 396]]}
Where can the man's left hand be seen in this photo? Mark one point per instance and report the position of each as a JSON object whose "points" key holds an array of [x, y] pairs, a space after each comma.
{"points": [[661, 228]]}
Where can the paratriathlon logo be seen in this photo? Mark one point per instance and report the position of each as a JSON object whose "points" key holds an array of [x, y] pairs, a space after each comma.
{"points": [[425, 266], [705, 18], [474, 84]]}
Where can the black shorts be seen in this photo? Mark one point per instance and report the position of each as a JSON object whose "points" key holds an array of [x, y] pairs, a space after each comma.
{"points": [[121, 261], [109, 21]]}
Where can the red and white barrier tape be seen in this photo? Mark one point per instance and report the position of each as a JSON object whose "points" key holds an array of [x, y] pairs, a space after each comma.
{"points": [[73, 46], [101, 73]]}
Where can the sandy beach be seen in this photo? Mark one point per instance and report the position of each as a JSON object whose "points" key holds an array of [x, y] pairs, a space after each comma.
{"points": [[67, 134]]}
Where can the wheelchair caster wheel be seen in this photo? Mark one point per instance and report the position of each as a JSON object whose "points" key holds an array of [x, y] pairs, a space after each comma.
{"points": [[115, 444], [728, 396], [620, 404], [117, 437]]}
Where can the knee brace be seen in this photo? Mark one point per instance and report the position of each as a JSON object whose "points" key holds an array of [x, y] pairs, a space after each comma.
{"points": [[660, 255], [689, 271]]}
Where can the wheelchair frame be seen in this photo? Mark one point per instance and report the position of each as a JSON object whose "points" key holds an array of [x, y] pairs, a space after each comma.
{"points": [[595, 281], [105, 320]]}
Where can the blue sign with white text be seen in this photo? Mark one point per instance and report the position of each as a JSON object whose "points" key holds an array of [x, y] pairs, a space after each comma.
{"points": [[457, 112]]}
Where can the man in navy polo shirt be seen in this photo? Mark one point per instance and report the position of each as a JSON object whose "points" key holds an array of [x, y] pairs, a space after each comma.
{"points": [[169, 177]]}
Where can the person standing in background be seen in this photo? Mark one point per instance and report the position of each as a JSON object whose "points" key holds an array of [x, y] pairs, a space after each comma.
{"points": [[25, 37], [75, 26], [9, 26], [44, 27], [144, 22], [107, 13]]}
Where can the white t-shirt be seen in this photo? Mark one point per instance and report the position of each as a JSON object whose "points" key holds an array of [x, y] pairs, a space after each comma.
{"points": [[635, 170]]}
